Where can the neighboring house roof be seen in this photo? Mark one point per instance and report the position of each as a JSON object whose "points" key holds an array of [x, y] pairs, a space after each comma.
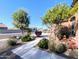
{"points": [[2, 25]]}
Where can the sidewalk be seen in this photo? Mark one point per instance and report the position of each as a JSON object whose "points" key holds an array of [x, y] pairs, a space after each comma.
{"points": [[28, 51]]}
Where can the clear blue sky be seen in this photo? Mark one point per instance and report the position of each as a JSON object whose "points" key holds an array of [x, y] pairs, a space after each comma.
{"points": [[35, 9]]}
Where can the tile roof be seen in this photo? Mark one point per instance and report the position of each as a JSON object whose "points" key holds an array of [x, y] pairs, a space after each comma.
{"points": [[2, 25]]}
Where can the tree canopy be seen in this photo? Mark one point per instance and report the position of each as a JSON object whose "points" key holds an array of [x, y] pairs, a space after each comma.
{"points": [[20, 19], [74, 9], [56, 14], [74, 2]]}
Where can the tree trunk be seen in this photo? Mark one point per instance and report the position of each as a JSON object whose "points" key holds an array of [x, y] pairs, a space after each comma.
{"points": [[22, 32], [52, 39]]}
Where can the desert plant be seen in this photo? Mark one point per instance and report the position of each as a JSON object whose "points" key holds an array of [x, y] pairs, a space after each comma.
{"points": [[61, 48], [26, 38], [12, 42], [43, 43], [38, 33]]}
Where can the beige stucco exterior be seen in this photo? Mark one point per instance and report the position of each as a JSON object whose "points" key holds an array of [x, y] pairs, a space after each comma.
{"points": [[69, 23]]}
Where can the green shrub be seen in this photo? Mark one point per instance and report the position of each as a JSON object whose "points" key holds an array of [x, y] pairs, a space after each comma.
{"points": [[61, 48], [26, 38], [43, 43], [12, 42], [29, 30]]}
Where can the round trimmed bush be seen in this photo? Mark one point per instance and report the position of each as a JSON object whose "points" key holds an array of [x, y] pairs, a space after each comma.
{"points": [[43, 43], [26, 38], [61, 48], [12, 42]]}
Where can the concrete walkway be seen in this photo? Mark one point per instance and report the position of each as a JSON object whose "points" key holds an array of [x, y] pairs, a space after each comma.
{"points": [[28, 51], [26, 47]]}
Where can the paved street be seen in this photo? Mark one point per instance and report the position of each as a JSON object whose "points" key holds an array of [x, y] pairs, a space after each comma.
{"points": [[7, 35]]}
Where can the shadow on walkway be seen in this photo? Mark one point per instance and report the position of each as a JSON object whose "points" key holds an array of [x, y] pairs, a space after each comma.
{"points": [[7, 54], [68, 57]]}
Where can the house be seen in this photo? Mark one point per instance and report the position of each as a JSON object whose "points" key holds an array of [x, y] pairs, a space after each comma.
{"points": [[69, 22], [3, 27]]}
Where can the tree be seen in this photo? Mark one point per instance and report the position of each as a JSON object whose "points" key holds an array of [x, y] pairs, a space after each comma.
{"points": [[74, 9], [56, 14], [74, 2], [20, 19]]}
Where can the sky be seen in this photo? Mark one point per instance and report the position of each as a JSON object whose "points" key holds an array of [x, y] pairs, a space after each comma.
{"points": [[34, 8]]}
